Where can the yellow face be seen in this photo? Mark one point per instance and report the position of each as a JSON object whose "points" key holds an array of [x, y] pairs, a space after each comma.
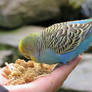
{"points": [[26, 49], [27, 46], [21, 50]]}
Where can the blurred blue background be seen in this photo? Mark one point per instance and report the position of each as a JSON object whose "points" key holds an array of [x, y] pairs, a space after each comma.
{"points": [[18, 18]]}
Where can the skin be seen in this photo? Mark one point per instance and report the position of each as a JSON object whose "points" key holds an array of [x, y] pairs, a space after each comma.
{"points": [[49, 83]]}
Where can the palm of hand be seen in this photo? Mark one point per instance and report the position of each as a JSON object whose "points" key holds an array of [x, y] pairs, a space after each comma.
{"points": [[49, 83]]}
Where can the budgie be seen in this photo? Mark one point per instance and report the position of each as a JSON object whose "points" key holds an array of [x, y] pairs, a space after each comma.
{"points": [[59, 43]]}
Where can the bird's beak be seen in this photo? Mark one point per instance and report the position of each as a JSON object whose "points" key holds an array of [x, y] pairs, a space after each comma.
{"points": [[32, 58], [27, 57]]}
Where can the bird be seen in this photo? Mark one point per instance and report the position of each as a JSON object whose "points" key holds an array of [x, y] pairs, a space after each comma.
{"points": [[58, 43]]}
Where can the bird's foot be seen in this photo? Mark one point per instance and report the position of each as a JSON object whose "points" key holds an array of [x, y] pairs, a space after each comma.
{"points": [[57, 66]]}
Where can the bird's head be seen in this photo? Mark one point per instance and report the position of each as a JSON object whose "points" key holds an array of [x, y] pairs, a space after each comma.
{"points": [[27, 46]]}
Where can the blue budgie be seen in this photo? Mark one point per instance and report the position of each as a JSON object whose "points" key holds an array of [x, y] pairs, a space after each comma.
{"points": [[59, 43]]}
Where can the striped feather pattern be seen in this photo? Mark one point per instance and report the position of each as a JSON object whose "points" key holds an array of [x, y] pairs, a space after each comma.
{"points": [[64, 37]]}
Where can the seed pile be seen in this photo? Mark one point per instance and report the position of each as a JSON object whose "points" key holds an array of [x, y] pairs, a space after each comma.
{"points": [[22, 72]]}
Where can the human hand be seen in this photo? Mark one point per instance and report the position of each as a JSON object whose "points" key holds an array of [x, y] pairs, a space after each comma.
{"points": [[49, 83]]}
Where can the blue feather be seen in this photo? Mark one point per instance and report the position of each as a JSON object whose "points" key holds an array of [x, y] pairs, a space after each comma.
{"points": [[81, 21], [82, 47], [49, 56]]}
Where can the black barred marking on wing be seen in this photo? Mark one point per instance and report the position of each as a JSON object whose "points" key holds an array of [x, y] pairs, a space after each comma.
{"points": [[64, 37]]}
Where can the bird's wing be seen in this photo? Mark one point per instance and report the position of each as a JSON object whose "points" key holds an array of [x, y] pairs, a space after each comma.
{"points": [[64, 37]]}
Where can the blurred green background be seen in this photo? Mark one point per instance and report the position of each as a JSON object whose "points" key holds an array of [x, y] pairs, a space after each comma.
{"points": [[18, 18]]}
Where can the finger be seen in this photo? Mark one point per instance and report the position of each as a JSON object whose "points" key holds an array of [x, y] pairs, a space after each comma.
{"points": [[58, 76], [2, 79]]}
